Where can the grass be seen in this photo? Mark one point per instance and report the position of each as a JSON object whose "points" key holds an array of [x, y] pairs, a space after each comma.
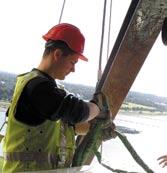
{"points": [[134, 105], [129, 108]]}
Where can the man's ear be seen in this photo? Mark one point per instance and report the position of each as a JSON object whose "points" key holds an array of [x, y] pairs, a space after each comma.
{"points": [[57, 54]]}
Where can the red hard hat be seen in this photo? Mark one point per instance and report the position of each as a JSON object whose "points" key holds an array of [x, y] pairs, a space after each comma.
{"points": [[70, 34]]}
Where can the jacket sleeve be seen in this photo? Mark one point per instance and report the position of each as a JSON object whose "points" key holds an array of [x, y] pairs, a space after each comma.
{"points": [[72, 110], [54, 103]]}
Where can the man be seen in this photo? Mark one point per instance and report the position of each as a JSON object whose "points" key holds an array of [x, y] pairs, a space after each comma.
{"points": [[41, 118]]}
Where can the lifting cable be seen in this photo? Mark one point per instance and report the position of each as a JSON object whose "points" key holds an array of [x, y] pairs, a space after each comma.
{"points": [[62, 10], [109, 28], [102, 40], [100, 58]]}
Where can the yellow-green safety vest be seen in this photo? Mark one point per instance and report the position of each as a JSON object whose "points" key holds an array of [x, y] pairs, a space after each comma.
{"points": [[47, 146]]}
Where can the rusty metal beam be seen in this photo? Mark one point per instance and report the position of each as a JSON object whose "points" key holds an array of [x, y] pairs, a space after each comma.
{"points": [[138, 33]]}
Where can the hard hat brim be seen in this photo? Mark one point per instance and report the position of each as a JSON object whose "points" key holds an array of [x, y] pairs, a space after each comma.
{"points": [[82, 57]]}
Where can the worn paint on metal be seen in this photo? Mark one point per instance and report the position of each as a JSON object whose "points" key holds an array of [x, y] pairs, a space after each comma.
{"points": [[136, 43]]}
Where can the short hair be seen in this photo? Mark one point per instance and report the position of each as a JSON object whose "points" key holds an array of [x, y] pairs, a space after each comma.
{"points": [[52, 45]]}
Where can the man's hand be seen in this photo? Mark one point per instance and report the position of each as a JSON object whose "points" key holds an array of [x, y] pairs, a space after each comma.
{"points": [[163, 160], [104, 117], [82, 128]]}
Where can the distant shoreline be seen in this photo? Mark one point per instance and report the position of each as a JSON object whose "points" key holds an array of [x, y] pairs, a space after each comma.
{"points": [[4, 105], [144, 113]]}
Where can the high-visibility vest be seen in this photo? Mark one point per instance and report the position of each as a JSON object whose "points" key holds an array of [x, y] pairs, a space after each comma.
{"points": [[46, 146]]}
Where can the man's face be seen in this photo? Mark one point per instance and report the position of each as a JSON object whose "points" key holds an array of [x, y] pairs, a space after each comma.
{"points": [[66, 65]]}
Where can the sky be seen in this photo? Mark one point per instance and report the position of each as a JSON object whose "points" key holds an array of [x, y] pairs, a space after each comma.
{"points": [[24, 22]]}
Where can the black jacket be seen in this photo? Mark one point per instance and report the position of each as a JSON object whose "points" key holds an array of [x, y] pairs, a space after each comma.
{"points": [[41, 99]]}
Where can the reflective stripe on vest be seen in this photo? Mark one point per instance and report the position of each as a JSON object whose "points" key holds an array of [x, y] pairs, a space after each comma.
{"points": [[30, 157]]}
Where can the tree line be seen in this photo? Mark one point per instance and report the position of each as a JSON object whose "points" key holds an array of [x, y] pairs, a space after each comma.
{"points": [[8, 80]]}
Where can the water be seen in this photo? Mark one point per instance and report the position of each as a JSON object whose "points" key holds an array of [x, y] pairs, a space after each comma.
{"points": [[150, 143]]}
